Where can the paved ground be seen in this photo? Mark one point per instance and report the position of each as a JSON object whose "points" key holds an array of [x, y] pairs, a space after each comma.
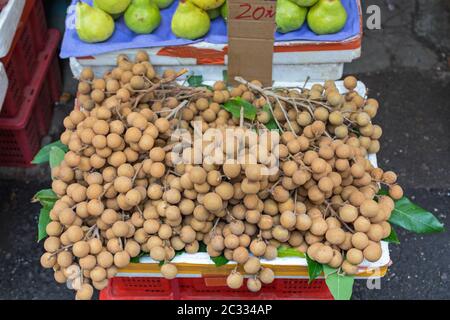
{"points": [[405, 65]]}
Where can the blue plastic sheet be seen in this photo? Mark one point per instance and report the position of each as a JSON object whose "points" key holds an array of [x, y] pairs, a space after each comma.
{"points": [[124, 38]]}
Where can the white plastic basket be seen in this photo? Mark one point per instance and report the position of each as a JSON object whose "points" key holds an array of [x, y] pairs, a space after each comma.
{"points": [[9, 19], [3, 84]]}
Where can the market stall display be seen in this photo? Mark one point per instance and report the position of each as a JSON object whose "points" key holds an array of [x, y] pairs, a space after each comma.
{"points": [[118, 191]]}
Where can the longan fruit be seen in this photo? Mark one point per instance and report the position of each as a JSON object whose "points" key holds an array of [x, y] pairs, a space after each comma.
{"points": [[217, 243], [157, 170], [369, 208], [372, 252], [95, 246], [88, 262], [361, 224], [105, 259], [254, 285], [265, 222], [240, 255], [336, 261], [280, 233], [375, 232], [48, 260], [350, 82], [288, 219], [64, 259], [87, 74], [266, 275], [158, 253], [169, 271], [231, 241], [271, 252], [120, 229], [98, 274], [396, 192], [349, 268], [74, 233], [360, 240], [319, 227], [212, 201], [252, 266], [187, 234], [348, 213], [335, 236], [80, 249], [85, 292], [354, 256], [121, 259], [235, 280], [303, 222], [258, 247]]}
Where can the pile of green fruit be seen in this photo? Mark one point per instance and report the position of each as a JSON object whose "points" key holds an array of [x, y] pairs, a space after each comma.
{"points": [[190, 21], [322, 16]]}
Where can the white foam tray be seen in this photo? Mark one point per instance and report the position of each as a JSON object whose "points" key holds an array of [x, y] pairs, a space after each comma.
{"points": [[203, 258], [9, 19], [3, 84]]}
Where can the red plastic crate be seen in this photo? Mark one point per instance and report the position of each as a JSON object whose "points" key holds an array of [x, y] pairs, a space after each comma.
{"points": [[210, 288], [20, 136], [21, 61]]}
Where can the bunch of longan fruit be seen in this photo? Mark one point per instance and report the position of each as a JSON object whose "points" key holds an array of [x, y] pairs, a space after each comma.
{"points": [[120, 192]]}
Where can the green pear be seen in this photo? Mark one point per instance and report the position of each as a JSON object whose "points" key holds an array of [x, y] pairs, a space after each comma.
{"points": [[92, 24], [224, 11], [112, 7], [189, 21], [162, 4], [327, 16], [289, 16], [208, 4], [305, 3], [213, 13], [142, 16]]}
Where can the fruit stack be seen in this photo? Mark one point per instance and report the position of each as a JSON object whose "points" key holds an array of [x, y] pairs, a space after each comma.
{"points": [[32, 70]]}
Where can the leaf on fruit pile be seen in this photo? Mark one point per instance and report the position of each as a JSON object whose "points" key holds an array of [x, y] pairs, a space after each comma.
{"points": [[138, 257], [219, 261], [314, 269], [392, 238], [235, 105], [56, 156], [272, 124], [44, 220], [46, 197], [197, 81], [284, 251], [340, 286], [43, 155], [411, 217]]}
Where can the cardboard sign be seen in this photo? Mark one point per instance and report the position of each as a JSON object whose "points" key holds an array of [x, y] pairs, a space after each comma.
{"points": [[251, 29]]}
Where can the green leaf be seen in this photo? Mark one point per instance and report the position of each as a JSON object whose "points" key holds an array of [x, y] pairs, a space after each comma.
{"points": [[225, 75], [138, 257], [284, 251], [46, 197], [413, 218], [235, 105], [392, 238], [195, 81], [272, 124], [341, 286], [44, 220], [314, 269], [43, 155], [202, 247], [220, 260], [56, 156]]}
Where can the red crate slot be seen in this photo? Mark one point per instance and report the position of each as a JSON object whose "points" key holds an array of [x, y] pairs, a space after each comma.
{"points": [[20, 136], [21, 61], [210, 288]]}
